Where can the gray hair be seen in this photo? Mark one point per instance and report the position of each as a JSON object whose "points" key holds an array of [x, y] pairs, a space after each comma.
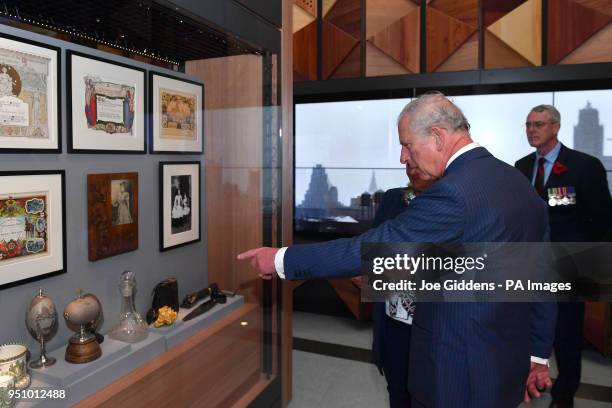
{"points": [[554, 114], [433, 109]]}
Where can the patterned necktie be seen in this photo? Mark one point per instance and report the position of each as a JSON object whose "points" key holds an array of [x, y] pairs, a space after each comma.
{"points": [[539, 179]]}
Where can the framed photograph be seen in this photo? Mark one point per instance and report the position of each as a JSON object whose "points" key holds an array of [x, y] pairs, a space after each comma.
{"points": [[177, 108], [106, 105], [179, 209], [29, 96], [112, 202], [32, 225]]}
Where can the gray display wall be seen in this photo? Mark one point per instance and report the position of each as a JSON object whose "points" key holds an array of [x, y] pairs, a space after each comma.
{"points": [[186, 263]]}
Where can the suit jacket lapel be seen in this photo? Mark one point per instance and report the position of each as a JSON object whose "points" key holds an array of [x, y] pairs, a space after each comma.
{"points": [[527, 167]]}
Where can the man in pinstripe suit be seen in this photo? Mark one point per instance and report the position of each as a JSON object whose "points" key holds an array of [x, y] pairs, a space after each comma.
{"points": [[462, 354]]}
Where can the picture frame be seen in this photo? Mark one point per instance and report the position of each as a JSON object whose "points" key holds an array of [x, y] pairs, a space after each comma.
{"points": [[112, 214], [106, 105], [30, 96], [176, 120], [32, 225], [179, 207]]}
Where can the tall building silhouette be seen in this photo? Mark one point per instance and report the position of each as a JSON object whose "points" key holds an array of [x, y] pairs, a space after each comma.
{"points": [[320, 194], [373, 188], [588, 133], [589, 137]]}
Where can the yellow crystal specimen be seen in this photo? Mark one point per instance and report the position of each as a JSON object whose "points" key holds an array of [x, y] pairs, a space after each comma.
{"points": [[165, 316]]}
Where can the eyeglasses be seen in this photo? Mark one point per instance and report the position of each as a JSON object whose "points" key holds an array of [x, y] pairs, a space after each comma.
{"points": [[537, 125]]}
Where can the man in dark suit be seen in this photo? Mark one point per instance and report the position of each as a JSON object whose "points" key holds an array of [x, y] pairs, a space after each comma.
{"points": [[574, 186], [392, 320], [462, 354]]}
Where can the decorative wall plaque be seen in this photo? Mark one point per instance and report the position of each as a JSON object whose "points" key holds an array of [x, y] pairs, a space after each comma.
{"points": [[112, 214]]}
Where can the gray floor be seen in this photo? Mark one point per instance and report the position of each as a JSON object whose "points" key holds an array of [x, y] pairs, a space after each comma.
{"points": [[321, 381]]}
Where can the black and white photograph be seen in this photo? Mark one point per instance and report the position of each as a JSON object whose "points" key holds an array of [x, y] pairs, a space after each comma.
{"points": [[181, 203], [179, 210], [121, 197]]}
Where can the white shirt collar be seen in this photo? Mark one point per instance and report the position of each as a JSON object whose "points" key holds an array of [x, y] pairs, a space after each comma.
{"points": [[459, 152]]}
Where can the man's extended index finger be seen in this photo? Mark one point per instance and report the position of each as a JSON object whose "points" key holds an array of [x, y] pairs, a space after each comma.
{"points": [[248, 254]]}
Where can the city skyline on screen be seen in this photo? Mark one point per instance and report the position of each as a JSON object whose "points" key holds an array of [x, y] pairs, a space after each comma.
{"points": [[360, 137]]}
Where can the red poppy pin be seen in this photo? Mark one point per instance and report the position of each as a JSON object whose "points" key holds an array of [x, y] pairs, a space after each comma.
{"points": [[559, 168]]}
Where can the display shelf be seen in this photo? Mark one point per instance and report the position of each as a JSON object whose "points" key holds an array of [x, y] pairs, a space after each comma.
{"points": [[181, 330], [120, 358], [63, 373]]}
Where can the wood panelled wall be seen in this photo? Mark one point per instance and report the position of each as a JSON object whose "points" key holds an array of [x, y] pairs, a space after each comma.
{"points": [[233, 167], [384, 37]]}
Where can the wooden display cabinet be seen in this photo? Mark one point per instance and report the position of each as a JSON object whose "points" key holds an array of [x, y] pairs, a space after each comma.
{"points": [[214, 368]]}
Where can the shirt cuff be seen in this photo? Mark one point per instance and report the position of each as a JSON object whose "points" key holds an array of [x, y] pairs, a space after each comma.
{"points": [[538, 360], [278, 262]]}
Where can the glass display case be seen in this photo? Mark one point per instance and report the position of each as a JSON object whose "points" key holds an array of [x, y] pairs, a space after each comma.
{"points": [[225, 58]]}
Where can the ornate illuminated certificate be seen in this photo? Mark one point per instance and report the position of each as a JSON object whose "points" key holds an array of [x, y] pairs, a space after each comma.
{"points": [[178, 118], [109, 107], [24, 82], [23, 226]]}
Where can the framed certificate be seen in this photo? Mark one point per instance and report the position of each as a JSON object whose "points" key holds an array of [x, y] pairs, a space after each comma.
{"points": [[29, 96], [32, 225], [106, 108], [176, 120]]}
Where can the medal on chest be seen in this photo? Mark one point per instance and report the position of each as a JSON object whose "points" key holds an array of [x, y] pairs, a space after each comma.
{"points": [[561, 196]]}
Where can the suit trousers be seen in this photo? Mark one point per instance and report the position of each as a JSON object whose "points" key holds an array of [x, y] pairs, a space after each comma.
{"points": [[395, 361], [568, 349]]}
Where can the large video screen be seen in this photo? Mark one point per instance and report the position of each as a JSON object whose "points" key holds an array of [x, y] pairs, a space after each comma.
{"points": [[347, 153]]}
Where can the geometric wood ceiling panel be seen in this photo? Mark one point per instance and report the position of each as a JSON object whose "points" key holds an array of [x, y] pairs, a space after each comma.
{"points": [[346, 15], [595, 49], [310, 6], [305, 52], [499, 55], [464, 58], [337, 44], [351, 66], [301, 18], [382, 13], [445, 34], [526, 41], [564, 35], [380, 64], [400, 40], [327, 5], [496, 9], [603, 6], [465, 10]]}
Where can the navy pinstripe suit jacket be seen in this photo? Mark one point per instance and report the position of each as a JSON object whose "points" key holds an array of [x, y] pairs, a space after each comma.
{"points": [[462, 354]]}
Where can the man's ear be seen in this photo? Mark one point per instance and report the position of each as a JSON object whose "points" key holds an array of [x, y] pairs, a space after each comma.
{"points": [[439, 137]]}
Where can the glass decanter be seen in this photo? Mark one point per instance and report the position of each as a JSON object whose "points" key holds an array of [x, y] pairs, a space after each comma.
{"points": [[131, 327]]}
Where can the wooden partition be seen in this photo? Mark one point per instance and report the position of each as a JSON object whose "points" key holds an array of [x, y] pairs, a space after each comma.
{"points": [[233, 167]]}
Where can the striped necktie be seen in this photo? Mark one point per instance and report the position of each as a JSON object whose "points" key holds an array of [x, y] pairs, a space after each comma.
{"points": [[539, 179]]}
